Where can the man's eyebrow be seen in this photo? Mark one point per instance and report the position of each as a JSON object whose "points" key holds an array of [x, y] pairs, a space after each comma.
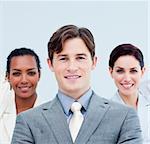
{"points": [[65, 55], [82, 54]]}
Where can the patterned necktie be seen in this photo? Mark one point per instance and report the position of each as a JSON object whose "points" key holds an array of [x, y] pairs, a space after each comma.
{"points": [[76, 120]]}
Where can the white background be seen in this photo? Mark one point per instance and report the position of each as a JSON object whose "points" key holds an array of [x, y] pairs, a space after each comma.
{"points": [[31, 23]]}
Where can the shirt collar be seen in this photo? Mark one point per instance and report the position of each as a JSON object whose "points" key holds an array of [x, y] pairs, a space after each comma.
{"points": [[67, 101], [142, 101]]}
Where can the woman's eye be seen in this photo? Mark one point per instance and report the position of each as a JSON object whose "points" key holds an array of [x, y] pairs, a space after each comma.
{"points": [[31, 73], [16, 74], [133, 71], [119, 71]]}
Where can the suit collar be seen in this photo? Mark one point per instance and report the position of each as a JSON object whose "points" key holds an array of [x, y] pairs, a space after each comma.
{"points": [[97, 108], [56, 119], [66, 101]]}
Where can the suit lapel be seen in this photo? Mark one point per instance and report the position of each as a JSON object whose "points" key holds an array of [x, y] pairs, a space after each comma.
{"points": [[95, 113], [58, 122]]}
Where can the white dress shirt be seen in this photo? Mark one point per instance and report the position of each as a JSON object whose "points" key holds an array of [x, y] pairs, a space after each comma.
{"points": [[143, 111]]}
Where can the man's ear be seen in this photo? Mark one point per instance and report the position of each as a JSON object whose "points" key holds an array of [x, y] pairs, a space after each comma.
{"points": [[50, 64], [94, 62]]}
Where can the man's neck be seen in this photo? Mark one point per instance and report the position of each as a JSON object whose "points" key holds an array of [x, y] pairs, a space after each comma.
{"points": [[75, 94]]}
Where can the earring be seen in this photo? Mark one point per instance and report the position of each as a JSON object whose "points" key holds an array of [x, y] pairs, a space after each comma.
{"points": [[10, 87]]}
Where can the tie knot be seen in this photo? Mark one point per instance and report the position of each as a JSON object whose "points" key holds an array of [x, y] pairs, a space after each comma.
{"points": [[76, 106]]}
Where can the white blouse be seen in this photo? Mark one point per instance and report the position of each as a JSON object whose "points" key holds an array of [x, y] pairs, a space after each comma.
{"points": [[8, 113], [143, 111]]}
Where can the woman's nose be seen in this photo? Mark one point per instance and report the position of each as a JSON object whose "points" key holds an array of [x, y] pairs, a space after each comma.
{"points": [[24, 78]]}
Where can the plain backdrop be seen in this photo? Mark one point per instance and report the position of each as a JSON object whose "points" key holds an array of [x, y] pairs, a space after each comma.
{"points": [[31, 23]]}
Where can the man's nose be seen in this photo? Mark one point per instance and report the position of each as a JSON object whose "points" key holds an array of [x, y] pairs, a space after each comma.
{"points": [[72, 65]]}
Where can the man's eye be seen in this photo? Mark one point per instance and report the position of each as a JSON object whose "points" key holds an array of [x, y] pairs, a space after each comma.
{"points": [[81, 58], [63, 59]]}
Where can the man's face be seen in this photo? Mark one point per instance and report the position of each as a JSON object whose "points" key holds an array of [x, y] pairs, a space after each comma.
{"points": [[72, 68]]}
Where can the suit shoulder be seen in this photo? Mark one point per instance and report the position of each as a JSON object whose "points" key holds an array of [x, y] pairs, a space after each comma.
{"points": [[36, 110], [114, 105], [117, 109]]}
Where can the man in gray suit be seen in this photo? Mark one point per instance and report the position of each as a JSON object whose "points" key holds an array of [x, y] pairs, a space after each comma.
{"points": [[72, 57]]}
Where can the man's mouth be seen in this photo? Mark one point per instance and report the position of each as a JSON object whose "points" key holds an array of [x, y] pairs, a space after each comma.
{"points": [[72, 76]]}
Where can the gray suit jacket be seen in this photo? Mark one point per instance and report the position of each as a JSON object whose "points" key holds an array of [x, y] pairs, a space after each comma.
{"points": [[105, 122]]}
